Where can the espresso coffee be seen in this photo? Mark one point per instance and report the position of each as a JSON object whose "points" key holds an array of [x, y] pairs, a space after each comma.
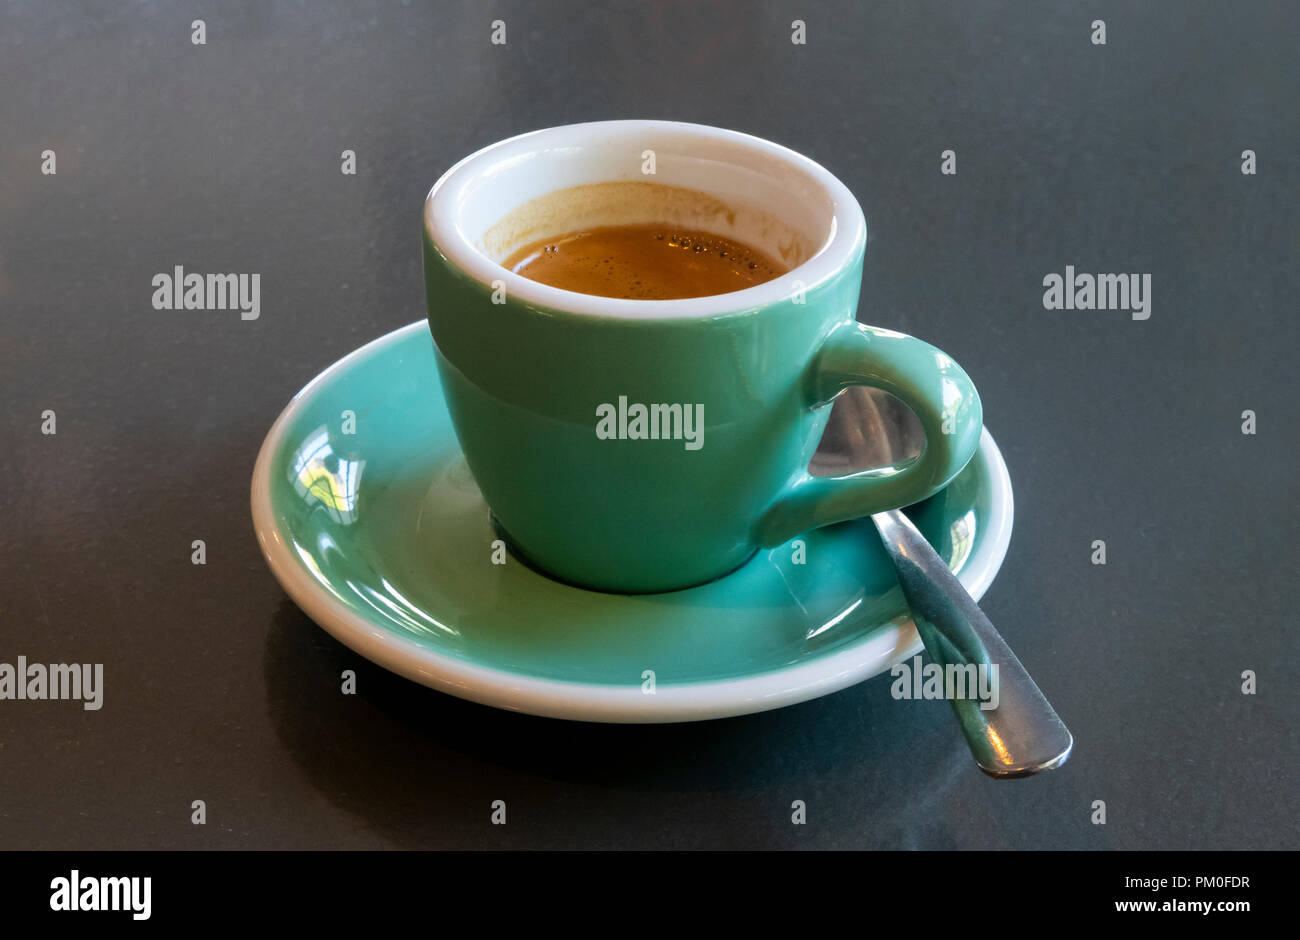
{"points": [[644, 262]]}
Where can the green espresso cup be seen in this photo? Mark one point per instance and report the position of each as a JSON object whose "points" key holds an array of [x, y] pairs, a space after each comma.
{"points": [[650, 445]]}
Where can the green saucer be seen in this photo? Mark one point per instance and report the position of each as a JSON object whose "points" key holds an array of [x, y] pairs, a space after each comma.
{"points": [[370, 519]]}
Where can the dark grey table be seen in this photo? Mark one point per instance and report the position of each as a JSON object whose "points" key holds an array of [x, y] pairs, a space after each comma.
{"points": [[1122, 157]]}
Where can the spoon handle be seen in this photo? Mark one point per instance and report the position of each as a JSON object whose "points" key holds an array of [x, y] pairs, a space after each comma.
{"points": [[1023, 734]]}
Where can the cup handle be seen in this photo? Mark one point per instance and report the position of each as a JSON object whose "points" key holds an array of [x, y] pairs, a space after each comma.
{"points": [[923, 378]]}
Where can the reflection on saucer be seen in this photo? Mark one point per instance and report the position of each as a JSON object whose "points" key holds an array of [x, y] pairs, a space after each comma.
{"points": [[335, 490]]}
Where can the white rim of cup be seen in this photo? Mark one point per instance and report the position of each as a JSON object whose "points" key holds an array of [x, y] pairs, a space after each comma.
{"points": [[848, 229]]}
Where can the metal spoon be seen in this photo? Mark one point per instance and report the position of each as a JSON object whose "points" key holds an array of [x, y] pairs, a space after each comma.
{"points": [[1022, 735]]}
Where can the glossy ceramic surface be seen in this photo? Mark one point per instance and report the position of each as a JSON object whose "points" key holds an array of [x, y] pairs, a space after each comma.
{"points": [[383, 538], [526, 369]]}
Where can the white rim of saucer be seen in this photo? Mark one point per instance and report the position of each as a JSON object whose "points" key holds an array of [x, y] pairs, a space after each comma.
{"points": [[845, 228], [552, 698]]}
